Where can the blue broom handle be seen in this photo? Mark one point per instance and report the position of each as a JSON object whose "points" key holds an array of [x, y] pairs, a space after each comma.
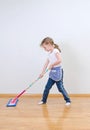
{"points": [[35, 81], [26, 89]]}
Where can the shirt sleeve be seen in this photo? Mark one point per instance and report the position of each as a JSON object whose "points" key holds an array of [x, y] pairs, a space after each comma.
{"points": [[56, 50]]}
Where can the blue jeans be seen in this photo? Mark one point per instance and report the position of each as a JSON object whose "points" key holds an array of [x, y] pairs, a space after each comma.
{"points": [[60, 87]]}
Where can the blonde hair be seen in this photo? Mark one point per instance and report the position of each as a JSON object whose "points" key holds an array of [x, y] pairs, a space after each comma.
{"points": [[49, 40]]}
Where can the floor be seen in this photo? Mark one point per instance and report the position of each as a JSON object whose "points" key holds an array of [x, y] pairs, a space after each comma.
{"points": [[28, 115]]}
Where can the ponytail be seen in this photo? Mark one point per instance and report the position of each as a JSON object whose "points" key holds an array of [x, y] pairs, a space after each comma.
{"points": [[56, 46]]}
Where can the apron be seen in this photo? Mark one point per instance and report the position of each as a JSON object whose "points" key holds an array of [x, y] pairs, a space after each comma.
{"points": [[56, 73]]}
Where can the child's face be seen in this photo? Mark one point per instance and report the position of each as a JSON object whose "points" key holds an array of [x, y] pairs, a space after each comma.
{"points": [[47, 47]]}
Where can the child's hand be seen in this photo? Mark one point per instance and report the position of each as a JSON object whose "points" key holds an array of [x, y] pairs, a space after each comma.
{"points": [[50, 67]]}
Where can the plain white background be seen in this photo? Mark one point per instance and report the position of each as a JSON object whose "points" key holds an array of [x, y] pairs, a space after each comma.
{"points": [[24, 23]]}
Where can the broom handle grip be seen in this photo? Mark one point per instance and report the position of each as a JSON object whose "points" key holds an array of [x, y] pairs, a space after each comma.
{"points": [[19, 95]]}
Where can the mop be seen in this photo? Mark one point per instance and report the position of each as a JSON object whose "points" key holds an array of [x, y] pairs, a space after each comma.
{"points": [[13, 102]]}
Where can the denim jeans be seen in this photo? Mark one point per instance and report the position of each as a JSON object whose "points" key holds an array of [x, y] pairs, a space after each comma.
{"points": [[60, 87]]}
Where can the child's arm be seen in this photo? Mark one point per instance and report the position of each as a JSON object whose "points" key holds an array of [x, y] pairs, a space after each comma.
{"points": [[44, 69]]}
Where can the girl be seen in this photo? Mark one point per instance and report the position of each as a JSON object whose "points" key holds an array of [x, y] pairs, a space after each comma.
{"points": [[53, 63]]}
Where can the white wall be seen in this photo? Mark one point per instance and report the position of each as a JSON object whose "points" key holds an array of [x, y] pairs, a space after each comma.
{"points": [[24, 23]]}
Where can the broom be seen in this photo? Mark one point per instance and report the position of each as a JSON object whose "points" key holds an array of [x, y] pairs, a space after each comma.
{"points": [[13, 102]]}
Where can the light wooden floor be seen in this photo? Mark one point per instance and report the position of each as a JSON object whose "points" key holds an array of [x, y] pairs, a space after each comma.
{"points": [[28, 115]]}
